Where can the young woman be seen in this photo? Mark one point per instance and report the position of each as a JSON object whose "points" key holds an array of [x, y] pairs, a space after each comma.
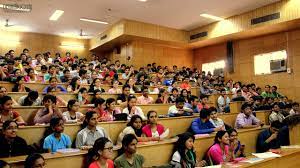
{"points": [[84, 139], [7, 112], [59, 100], [19, 85], [10, 143], [31, 76], [115, 89], [132, 109], [153, 129], [96, 85], [101, 155], [111, 108], [75, 85], [163, 97], [53, 84], [96, 95], [34, 161], [184, 155], [220, 152], [73, 115], [83, 96], [157, 87], [185, 95], [107, 79], [100, 110], [235, 144]]}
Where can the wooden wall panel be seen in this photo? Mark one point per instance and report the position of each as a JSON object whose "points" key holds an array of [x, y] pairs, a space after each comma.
{"points": [[40, 43], [244, 51]]}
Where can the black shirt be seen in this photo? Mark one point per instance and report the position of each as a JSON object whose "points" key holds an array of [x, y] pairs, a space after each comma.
{"points": [[16, 148]]}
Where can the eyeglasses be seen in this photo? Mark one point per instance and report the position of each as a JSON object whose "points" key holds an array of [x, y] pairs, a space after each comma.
{"points": [[109, 148]]}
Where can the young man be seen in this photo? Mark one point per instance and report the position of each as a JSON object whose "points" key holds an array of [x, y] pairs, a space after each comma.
{"points": [[122, 98], [202, 125], [276, 114], [217, 122], [32, 99], [203, 103], [129, 158], [295, 109], [267, 92], [145, 98], [223, 102], [269, 139], [246, 119], [192, 105], [239, 96], [178, 110]]}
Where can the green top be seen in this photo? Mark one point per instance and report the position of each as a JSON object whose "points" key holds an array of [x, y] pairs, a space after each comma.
{"points": [[138, 161], [267, 94]]}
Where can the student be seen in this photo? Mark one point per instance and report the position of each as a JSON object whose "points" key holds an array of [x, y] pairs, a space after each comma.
{"points": [[100, 110], [192, 105], [220, 152], [20, 86], [66, 78], [115, 88], [276, 114], [132, 109], [7, 112], [127, 73], [101, 155], [184, 155], [129, 159], [122, 98], [269, 138], [96, 95], [10, 143], [274, 92], [185, 95], [246, 119], [32, 99], [185, 84], [59, 100], [217, 122], [96, 84], [73, 115], [44, 115], [203, 103], [235, 144], [202, 125], [239, 96], [153, 129], [178, 110], [174, 96], [35, 161], [267, 92], [163, 97], [145, 98], [83, 96], [295, 109], [223, 102], [57, 140], [75, 85], [111, 108], [91, 131], [53, 84]]}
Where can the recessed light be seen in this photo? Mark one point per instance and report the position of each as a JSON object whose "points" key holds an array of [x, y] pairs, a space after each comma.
{"points": [[143, 0], [56, 15], [212, 17], [93, 21]]}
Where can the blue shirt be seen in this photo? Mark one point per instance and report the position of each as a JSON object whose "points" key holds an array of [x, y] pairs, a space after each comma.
{"points": [[195, 108], [200, 127], [262, 146], [53, 144], [61, 88]]}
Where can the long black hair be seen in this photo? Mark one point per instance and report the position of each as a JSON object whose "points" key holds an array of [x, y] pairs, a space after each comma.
{"points": [[29, 161], [99, 145], [88, 116], [138, 132], [181, 148]]}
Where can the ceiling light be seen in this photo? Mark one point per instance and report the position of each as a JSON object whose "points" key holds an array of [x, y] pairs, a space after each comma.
{"points": [[212, 17], [56, 15], [92, 20], [16, 7], [142, 0], [72, 45]]}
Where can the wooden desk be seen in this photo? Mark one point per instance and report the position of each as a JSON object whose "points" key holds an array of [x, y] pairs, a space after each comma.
{"points": [[235, 107]]}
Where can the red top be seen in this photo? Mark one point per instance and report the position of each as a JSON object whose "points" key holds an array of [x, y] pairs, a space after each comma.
{"points": [[12, 115], [147, 130], [95, 164]]}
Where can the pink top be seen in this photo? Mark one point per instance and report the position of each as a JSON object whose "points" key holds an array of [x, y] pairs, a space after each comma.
{"points": [[147, 130], [216, 154], [95, 164], [144, 100]]}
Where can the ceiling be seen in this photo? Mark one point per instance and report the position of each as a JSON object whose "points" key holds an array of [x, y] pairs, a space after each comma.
{"points": [[179, 14]]}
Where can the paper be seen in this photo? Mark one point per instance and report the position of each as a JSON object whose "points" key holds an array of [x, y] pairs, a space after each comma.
{"points": [[252, 160], [266, 155], [68, 150], [291, 147]]}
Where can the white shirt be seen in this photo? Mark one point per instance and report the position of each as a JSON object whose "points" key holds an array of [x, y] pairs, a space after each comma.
{"points": [[138, 111]]}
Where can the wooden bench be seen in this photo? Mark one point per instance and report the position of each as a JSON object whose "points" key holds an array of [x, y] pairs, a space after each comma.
{"points": [[235, 107]]}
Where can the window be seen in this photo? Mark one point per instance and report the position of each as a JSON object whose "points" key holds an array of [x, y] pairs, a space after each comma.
{"points": [[214, 67], [262, 61]]}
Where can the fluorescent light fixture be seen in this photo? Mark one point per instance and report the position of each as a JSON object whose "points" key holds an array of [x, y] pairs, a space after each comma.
{"points": [[16, 7], [72, 45], [92, 20], [142, 0], [56, 15], [212, 17]]}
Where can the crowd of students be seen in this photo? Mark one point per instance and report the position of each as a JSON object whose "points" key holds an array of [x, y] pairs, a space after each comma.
{"points": [[173, 86]]}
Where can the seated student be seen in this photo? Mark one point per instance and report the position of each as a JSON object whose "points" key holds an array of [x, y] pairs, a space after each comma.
{"points": [[122, 98], [157, 87], [35, 160], [192, 105], [57, 139], [111, 108], [32, 99], [44, 115], [185, 155], [285, 103], [132, 109], [202, 125], [83, 96], [53, 84], [66, 78], [101, 155], [246, 119], [75, 85], [174, 96], [73, 115], [235, 144], [203, 103], [7, 112], [100, 110], [220, 152], [96, 84], [20, 86], [163, 97], [129, 158], [295, 109], [184, 93], [223, 102], [59, 101], [145, 98], [3, 92], [217, 122], [90, 131], [153, 129], [178, 109], [239, 96], [269, 138], [276, 114], [185, 83], [10, 143], [257, 105], [96, 95], [115, 88]]}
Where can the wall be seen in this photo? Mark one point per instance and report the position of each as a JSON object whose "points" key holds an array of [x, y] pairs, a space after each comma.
{"points": [[40, 43], [244, 50]]}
